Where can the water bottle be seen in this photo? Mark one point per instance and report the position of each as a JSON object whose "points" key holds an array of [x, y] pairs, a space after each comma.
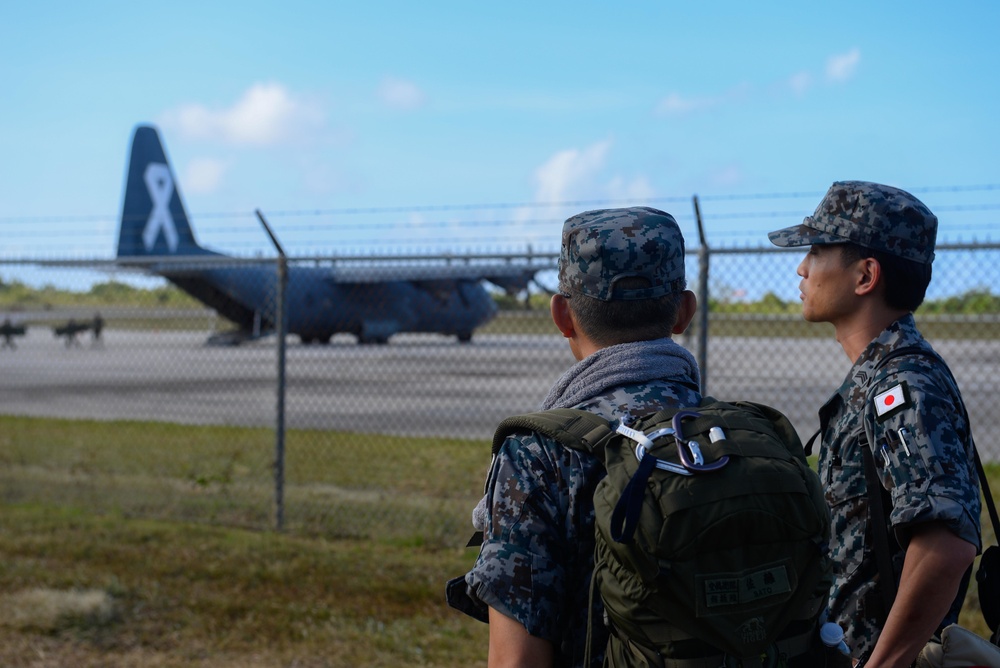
{"points": [[833, 636]]}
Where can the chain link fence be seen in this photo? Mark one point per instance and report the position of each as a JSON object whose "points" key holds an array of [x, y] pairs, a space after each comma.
{"points": [[161, 416]]}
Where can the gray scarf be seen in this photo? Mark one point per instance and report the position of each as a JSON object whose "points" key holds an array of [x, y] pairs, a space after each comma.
{"points": [[623, 364]]}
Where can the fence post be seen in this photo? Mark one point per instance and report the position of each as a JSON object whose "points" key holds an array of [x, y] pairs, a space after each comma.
{"points": [[281, 329], [703, 262]]}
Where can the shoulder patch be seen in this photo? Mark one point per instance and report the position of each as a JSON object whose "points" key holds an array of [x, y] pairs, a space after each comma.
{"points": [[892, 400]]}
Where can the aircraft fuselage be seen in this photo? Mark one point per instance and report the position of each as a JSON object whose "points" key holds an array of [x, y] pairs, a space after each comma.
{"points": [[317, 308]]}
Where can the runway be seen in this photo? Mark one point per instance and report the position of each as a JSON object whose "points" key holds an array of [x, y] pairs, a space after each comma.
{"points": [[422, 385], [416, 385]]}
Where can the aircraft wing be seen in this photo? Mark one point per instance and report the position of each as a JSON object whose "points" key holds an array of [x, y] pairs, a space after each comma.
{"points": [[512, 276]]}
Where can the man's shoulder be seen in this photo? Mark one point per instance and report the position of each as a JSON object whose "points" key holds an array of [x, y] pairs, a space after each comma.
{"points": [[533, 450], [640, 399], [914, 378], [919, 366], [634, 400]]}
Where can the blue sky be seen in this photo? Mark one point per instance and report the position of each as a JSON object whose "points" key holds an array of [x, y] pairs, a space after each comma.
{"points": [[394, 126]]}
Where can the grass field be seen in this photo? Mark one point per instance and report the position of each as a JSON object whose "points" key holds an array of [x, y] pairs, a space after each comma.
{"points": [[122, 546], [147, 544], [761, 325], [336, 485], [538, 321], [79, 589]]}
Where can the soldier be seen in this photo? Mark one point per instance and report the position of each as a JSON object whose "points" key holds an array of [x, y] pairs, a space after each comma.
{"points": [[8, 334], [867, 269], [96, 327], [621, 296]]}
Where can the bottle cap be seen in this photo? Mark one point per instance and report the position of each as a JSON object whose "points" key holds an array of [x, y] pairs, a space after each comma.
{"points": [[831, 634]]}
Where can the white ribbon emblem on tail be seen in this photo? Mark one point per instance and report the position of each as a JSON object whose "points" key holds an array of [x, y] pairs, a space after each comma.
{"points": [[161, 189]]}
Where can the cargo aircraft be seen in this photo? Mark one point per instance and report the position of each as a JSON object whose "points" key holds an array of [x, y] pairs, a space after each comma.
{"points": [[372, 301]]}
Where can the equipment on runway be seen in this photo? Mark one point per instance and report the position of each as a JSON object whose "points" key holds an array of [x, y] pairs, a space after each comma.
{"points": [[71, 331], [373, 301], [8, 331]]}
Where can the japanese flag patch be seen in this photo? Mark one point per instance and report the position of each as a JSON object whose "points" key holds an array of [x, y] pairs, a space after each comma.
{"points": [[891, 401]]}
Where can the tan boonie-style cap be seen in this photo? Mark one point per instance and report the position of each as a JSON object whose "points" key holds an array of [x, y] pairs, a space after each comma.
{"points": [[875, 216], [604, 246]]}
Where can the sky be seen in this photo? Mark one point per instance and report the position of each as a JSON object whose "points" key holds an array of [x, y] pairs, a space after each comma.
{"points": [[478, 127]]}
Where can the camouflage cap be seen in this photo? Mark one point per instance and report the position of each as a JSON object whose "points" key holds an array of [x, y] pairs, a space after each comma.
{"points": [[601, 247], [878, 217]]}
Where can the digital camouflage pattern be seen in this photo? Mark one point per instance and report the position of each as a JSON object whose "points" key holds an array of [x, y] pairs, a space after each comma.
{"points": [[936, 481], [599, 247], [537, 558], [871, 215]]}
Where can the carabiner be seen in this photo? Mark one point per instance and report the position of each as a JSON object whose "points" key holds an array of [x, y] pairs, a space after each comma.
{"points": [[689, 451]]}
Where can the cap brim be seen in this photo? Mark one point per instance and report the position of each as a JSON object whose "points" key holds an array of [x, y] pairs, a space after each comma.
{"points": [[803, 235]]}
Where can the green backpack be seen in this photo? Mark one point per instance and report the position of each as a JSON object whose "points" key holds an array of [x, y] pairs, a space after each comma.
{"points": [[710, 525]]}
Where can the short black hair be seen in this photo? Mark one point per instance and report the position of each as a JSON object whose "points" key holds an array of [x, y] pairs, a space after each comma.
{"points": [[609, 323], [905, 280]]}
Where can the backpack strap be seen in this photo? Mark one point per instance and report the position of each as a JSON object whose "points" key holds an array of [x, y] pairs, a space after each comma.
{"points": [[571, 427], [880, 531], [808, 448]]}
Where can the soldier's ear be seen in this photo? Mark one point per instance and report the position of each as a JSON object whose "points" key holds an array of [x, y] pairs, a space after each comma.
{"points": [[561, 315], [868, 276], [685, 312]]}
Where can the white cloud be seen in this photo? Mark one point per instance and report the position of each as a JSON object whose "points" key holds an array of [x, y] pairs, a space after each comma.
{"points": [[677, 105], [800, 82], [203, 175], [637, 190], [569, 172], [401, 94], [674, 104], [841, 67], [266, 114]]}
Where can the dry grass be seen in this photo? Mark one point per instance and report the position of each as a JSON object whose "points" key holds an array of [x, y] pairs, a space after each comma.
{"points": [[82, 590], [50, 610]]}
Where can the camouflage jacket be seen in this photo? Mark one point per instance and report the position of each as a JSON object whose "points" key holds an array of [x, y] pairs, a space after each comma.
{"points": [[537, 557], [915, 422]]}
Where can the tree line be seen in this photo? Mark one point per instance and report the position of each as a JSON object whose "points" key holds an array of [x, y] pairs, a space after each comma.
{"points": [[17, 296]]}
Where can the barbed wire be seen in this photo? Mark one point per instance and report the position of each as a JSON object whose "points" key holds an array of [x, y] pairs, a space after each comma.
{"points": [[429, 226], [414, 209]]}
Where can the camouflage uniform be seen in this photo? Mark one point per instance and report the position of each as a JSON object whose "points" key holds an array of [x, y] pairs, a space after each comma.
{"points": [[929, 471], [936, 481], [537, 558]]}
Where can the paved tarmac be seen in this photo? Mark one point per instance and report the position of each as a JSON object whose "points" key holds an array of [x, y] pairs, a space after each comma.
{"points": [[416, 385]]}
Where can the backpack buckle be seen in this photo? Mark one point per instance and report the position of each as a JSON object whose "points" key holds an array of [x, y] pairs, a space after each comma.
{"points": [[644, 443], [689, 451]]}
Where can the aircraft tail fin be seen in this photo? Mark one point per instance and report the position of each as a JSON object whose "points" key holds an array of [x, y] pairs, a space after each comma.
{"points": [[153, 220]]}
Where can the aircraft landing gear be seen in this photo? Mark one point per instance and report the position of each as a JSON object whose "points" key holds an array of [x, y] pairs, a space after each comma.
{"points": [[376, 331]]}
